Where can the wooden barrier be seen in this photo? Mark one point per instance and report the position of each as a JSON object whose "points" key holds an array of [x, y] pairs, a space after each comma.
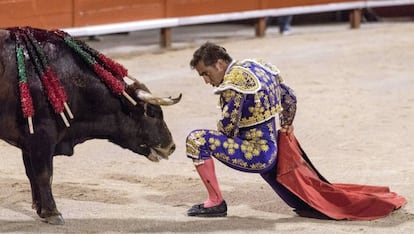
{"points": [[98, 17], [36, 13]]}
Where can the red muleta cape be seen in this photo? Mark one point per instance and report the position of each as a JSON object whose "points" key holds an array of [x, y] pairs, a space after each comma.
{"points": [[337, 201]]}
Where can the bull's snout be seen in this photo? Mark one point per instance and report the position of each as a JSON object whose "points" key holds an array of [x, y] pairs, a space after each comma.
{"points": [[158, 153], [172, 149]]}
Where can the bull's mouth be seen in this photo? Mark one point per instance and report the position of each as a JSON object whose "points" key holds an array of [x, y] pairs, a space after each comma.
{"points": [[154, 156], [157, 154]]}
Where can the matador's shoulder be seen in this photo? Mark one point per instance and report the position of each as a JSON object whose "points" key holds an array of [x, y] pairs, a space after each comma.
{"points": [[241, 79]]}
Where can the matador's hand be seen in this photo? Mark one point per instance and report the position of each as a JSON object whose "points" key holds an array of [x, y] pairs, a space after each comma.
{"points": [[288, 129]]}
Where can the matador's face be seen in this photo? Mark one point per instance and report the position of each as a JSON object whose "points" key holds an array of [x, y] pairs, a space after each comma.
{"points": [[212, 74]]}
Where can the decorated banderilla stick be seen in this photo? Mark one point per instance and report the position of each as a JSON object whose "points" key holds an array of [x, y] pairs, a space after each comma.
{"points": [[50, 74], [25, 97], [115, 68], [115, 84], [39, 62]]}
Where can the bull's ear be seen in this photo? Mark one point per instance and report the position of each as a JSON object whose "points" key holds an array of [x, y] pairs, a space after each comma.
{"points": [[4, 34]]}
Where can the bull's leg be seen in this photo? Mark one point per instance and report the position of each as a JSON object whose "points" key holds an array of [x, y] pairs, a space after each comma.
{"points": [[39, 170], [34, 187]]}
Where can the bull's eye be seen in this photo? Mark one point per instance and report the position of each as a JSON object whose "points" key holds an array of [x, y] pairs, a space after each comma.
{"points": [[143, 146], [154, 111]]}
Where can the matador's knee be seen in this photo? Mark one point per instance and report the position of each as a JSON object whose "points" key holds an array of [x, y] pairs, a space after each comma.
{"points": [[196, 147]]}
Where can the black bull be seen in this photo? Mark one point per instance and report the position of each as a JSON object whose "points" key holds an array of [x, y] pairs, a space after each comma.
{"points": [[98, 114]]}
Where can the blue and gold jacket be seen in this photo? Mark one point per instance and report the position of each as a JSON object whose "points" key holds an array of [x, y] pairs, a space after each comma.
{"points": [[253, 92]]}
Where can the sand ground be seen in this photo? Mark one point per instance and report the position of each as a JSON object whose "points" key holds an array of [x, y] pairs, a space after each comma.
{"points": [[355, 120]]}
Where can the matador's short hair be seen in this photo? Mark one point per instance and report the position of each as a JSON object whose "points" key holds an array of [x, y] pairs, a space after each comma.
{"points": [[209, 53]]}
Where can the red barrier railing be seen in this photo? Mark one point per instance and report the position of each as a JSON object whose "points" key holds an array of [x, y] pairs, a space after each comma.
{"points": [[77, 13], [95, 17]]}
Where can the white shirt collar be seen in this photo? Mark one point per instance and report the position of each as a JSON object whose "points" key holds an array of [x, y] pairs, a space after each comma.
{"points": [[230, 65]]}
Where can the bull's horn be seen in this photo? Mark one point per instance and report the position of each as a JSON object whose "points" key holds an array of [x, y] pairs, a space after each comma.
{"points": [[149, 98]]}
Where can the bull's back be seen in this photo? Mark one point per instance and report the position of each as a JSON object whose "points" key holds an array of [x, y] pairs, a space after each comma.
{"points": [[85, 92]]}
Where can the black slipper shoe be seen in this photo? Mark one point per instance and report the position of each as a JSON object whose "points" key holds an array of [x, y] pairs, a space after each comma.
{"points": [[214, 211]]}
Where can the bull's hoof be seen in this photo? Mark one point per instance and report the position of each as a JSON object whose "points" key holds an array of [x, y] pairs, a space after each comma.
{"points": [[55, 220]]}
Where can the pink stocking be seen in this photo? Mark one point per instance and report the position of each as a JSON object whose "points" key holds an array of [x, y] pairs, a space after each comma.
{"points": [[208, 176]]}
